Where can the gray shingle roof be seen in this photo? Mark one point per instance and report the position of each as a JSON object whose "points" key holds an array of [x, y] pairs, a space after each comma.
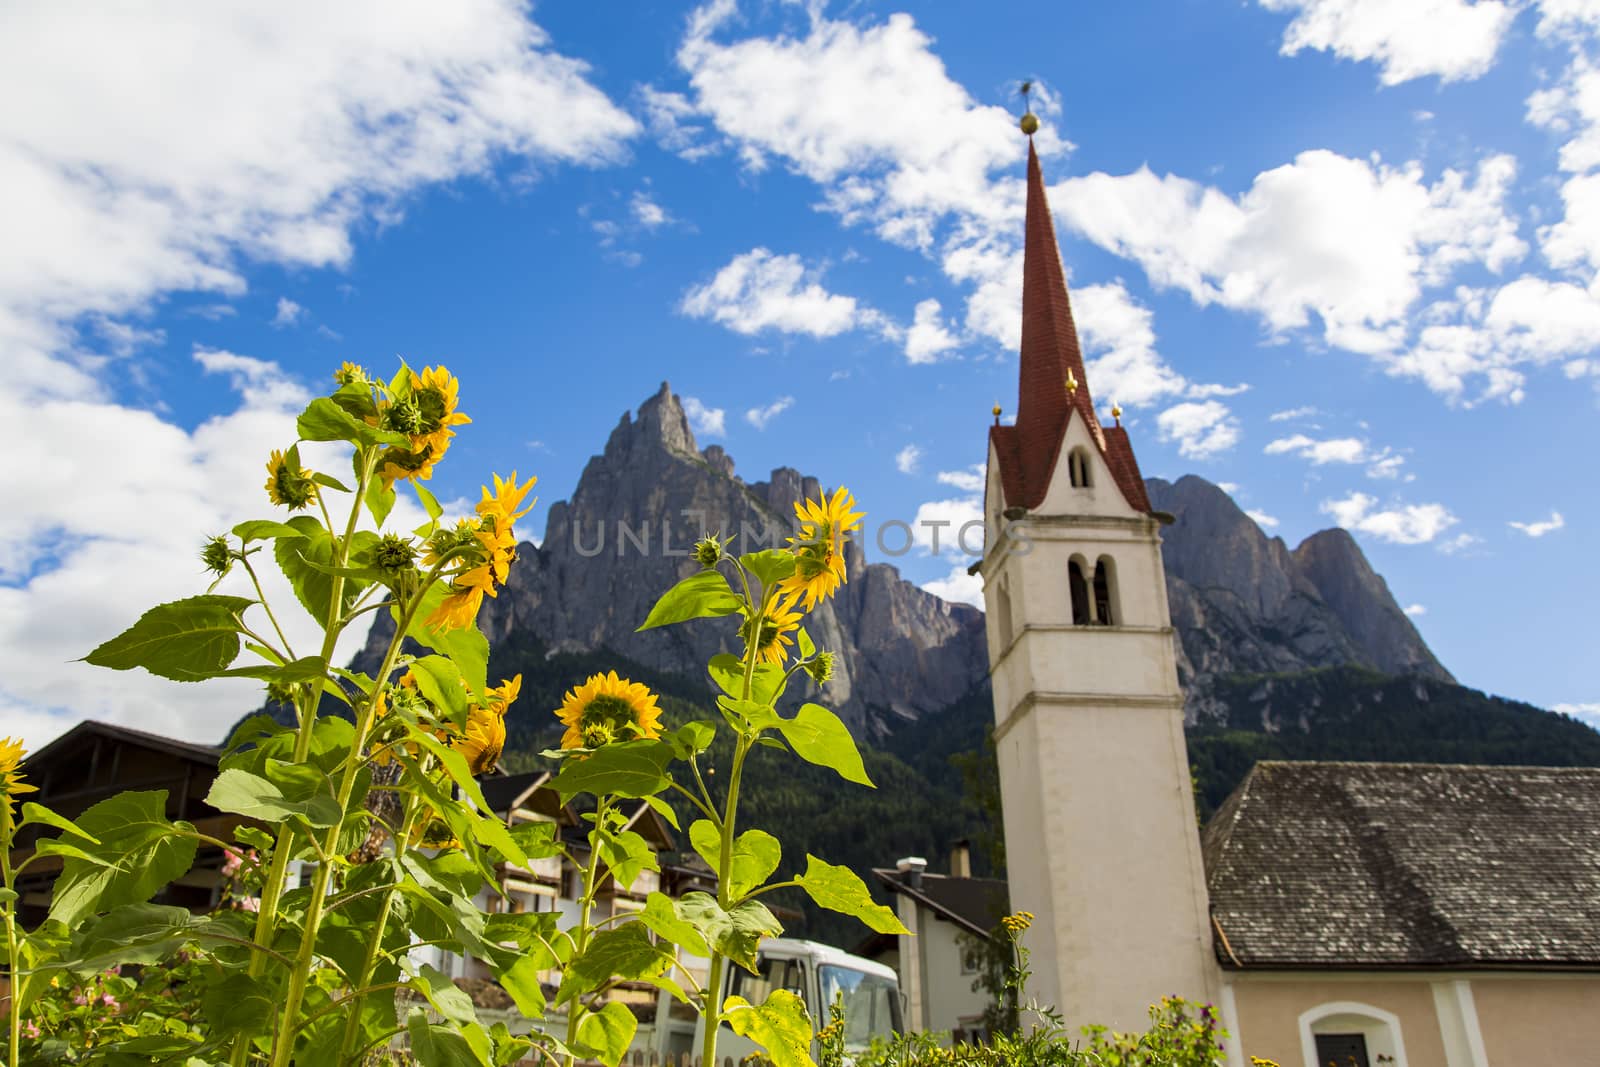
{"points": [[1407, 864]]}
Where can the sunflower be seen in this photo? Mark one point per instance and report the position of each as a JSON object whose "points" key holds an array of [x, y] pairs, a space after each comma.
{"points": [[608, 708], [819, 547], [496, 550], [351, 374], [772, 637], [426, 416], [483, 740], [11, 783], [288, 483]]}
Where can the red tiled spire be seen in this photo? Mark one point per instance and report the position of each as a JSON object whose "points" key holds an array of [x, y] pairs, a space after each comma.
{"points": [[1050, 351]]}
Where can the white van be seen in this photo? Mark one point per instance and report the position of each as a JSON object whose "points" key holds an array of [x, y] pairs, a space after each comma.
{"points": [[816, 973]]}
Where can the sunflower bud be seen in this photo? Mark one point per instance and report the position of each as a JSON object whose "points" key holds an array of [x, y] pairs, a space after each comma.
{"points": [[216, 555], [282, 693], [351, 374], [288, 483], [394, 554], [820, 668], [708, 551]]}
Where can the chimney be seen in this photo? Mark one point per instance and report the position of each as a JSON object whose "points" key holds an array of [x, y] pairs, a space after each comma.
{"points": [[912, 867], [961, 858]]}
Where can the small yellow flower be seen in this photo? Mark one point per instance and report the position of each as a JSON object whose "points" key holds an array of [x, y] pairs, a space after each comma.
{"points": [[350, 374], [11, 784], [288, 483], [608, 708], [819, 546], [772, 635], [496, 550], [458, 610]]}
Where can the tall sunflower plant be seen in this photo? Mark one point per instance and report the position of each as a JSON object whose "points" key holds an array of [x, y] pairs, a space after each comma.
{"points": [[355, 817], [616, 749]]}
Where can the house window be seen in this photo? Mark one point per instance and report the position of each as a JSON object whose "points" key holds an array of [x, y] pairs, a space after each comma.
{"points": [[971, 960], [1103, 582], [1078, 468], [1348, 1034], [1342, 1050], [1078, 588]]}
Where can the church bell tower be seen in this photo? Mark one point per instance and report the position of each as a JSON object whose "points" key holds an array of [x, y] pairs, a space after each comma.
{"points": [[1101, 839]]}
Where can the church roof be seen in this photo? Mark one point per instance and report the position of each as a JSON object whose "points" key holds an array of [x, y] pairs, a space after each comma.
{"points": [[975, 904], [1373, 865], [1028, 451]]}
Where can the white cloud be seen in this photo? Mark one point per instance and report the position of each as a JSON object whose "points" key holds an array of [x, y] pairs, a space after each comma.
{"points": [[1293, 413], [970, 480], [759, 417], [1263, 520], [329, 117], [1405, 524], [1352, 242], [1381, 463], [1453, 39], [907, 459], [761, 291], [1588, 712], [647, 212], [1231, 488], [288, 313], [958, 587], [1542, 527], [950, 527], [1416, 611], [79, 567], [706, 421], [1459, 543], [928, 338], [1201, 429]]}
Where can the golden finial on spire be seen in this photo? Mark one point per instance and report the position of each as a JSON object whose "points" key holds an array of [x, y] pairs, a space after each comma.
{"points": [[997, 414], [1072, 383], [1030, 121], [1116, 413]]}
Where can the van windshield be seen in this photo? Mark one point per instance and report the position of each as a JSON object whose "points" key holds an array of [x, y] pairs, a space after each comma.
{"points": [[871, 1003]]}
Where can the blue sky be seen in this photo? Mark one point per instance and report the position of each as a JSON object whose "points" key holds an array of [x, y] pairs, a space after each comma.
{"points": [[1337, 255]]}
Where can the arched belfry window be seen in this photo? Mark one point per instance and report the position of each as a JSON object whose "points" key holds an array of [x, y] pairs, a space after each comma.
{"points": [[1078, 468], [1002, 606], [1105, 586], [1078, 587]]}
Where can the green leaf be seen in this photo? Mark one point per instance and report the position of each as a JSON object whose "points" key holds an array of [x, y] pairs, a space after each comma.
{"points": [[466, 647], [134, 933], [439, 681], [756, 854], [704, 594], [661, 915], [429, 502], [434, 1045], [608, 1032], [147, 851], [303, 669], [819, 737], [37, 814], [330, 481], [7, 896], [781, 1026], [380, 500], [691, 739], [766, 685], [186, 640], [287, 790], [770, 566], [312, 587], [627, 854], [737, 933], [264, 530], [625, 769], [663, 809], [55, 847], [324, 420], [536, 839], [521, 980], [445, 996], [624, 953], [238, 1004], [838, 889], [803, 640]]}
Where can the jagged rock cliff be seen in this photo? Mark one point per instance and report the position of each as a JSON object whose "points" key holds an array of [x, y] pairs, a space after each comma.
{"points": [[623, 539], [1243, 603]]}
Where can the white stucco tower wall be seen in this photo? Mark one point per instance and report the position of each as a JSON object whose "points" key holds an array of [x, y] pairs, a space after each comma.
{"points": [[1102, 843]]}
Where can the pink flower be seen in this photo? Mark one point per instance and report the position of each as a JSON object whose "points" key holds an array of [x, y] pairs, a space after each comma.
{"points": [[110, 1001], [230, 866], [250, 904], [31, 1028], [79, 999]]}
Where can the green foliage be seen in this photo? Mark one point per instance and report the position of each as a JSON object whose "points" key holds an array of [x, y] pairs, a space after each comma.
{"points": [[186, 640]]}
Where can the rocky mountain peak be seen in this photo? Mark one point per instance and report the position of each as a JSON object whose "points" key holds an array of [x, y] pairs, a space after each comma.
{"points": [[661, 425]]}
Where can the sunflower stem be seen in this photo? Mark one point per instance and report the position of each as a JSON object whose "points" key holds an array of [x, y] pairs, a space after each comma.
{"points": [[580, 935], [18, 984], [375, 938]]}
